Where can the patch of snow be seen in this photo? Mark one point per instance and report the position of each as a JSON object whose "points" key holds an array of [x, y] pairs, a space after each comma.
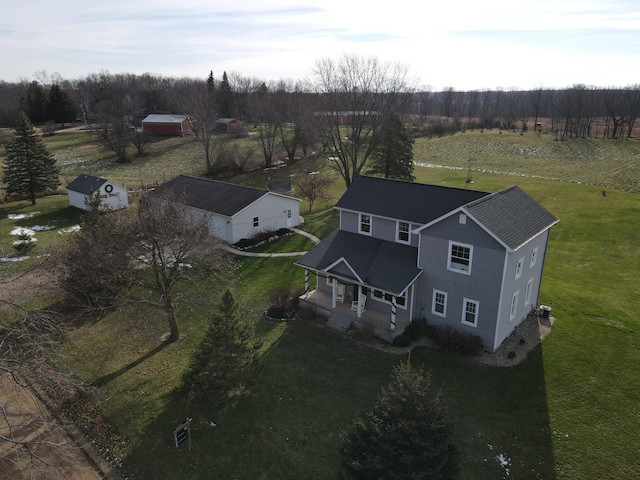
{"points": [[22, 231], [13, 259], [21, 216], [71, 229], [42, 228], [504, 462], [26, 240]]}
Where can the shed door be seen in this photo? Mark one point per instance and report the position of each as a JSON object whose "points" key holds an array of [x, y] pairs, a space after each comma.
{"points": [[289, 219]]}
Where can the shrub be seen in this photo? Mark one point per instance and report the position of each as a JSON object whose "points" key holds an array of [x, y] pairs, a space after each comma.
{"points": [[447, 337]]}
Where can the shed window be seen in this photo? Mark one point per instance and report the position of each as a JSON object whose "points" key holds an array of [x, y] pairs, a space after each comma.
{"points": [[256, 221]]}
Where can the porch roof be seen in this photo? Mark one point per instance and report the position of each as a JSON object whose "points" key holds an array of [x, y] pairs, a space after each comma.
{"points": [[387, 266]]}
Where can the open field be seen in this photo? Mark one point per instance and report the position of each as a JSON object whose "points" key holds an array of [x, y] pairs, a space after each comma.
{"points": [[569, 411]]}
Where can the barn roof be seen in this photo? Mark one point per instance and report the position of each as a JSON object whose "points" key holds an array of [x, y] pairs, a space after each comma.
{"points": [[86, 184], [210, 195], [164, 118]]}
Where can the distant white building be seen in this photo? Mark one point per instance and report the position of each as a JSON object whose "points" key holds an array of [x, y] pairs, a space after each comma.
{"points": [[112, 195]]}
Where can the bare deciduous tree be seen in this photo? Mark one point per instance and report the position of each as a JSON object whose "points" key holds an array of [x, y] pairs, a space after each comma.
{"points": [[357, 93]]}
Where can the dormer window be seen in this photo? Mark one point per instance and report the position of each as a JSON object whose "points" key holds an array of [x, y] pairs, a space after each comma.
{"points": [[365, 224], [402, 232]]}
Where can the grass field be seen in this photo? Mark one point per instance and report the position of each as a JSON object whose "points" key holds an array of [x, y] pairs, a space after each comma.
{"points": [[569, 411]]}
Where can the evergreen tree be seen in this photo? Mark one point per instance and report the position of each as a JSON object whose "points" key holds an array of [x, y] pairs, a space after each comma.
{"points": [[226, 355], [393, 157], [61, 106], [225, 97], [405, 436], [30, 169], [36, 103]]}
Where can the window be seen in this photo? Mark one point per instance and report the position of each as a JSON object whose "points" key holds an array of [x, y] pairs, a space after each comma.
{"points": [[527, 293], [402, 233], [519, 268], [256, 221], [462, 219], [470, 312], [514, 306], [439, 304], [329, 280], [401, 300], [534, 256], [460, 257], [365, 224]]}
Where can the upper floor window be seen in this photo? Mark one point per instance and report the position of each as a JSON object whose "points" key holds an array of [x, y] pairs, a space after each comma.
{"points": [[365, 224], [470, 312], [402, 232], [439, 304], [460, 256], [256, 221], [519, 268], [534, 256]]}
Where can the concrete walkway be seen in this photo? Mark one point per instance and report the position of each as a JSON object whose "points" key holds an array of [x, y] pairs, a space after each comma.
{"points": [[235, 251]]}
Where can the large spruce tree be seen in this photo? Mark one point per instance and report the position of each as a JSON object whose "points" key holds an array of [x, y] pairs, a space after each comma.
{"points": [[406, 436], [393, 156], [30, 169]]}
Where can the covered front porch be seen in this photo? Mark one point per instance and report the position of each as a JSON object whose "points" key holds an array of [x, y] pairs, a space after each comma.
{"points": [[342, 316]]}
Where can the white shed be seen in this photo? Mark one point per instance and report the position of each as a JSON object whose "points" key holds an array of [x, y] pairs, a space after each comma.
{"points": [[112, 195], [234, 211]]}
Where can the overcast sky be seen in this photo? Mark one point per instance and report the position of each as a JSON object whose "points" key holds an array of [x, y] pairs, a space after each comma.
{"points": [[467, 44]]}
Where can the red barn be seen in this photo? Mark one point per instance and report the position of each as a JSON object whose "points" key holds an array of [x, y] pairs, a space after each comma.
{"points": [[160, 124], [229, 125]]}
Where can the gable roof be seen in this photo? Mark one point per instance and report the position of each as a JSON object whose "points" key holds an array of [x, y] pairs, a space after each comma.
{"points": [[411, 201], [226, 120], [389, 266], [511, 215], [164, 118], [210, 195], [86, 184]]}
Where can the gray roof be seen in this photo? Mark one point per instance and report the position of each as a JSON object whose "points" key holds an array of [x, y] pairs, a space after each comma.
{"points": [[388, 266], [164, 118], [210, 195], [409, 201], [86, 184], [512, 216], [226, 120]]}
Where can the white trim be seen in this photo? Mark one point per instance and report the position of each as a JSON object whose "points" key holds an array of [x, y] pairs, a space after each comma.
{"points": [[505, 263], [466, 300], [459, 270], [433, 303], [408, 224], [360, 230], [513, 309], [342, 260]]}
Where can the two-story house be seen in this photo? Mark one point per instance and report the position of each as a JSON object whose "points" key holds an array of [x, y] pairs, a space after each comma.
{"points": [[468, 259]]}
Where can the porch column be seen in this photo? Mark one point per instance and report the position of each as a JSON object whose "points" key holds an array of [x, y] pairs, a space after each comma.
{"points": [[393, 312], [334, 290], [306, 283], [359, 310]]}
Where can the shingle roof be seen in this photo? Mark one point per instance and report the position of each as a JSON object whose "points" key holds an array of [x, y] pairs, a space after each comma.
{"points": [[210, 195], [511, 215], [388, 266], [86, 184], [164, 118], [410, 201]]}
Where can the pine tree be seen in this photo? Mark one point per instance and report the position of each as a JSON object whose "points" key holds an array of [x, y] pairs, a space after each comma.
{"points": [[225, 97], [393, 157], [225, 357], [405, 436], [30, 169], [60, 105]]}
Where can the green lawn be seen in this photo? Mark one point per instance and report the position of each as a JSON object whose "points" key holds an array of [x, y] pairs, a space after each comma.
{"points": [[569, 411]]}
